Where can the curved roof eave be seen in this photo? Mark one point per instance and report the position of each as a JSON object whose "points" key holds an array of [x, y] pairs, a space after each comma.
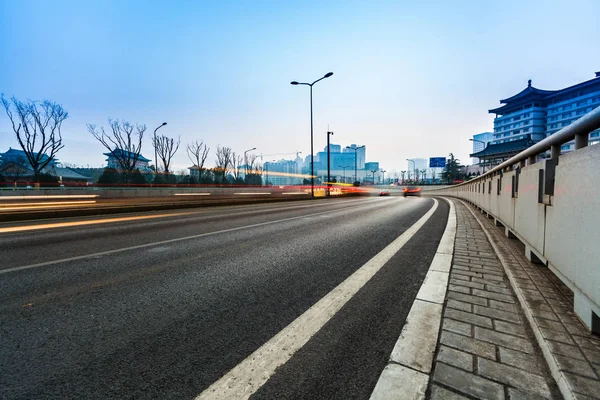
{"points": [[529, 90]]}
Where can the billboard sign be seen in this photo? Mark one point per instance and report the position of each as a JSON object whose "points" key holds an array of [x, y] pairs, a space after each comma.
{"points": [[437, 162]]}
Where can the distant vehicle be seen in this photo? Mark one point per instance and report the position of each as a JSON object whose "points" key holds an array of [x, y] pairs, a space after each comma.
{"points": [[412, 191], [384, 193]]}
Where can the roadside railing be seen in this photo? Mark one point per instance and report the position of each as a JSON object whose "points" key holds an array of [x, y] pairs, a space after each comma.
{"points": [[552, 206]]}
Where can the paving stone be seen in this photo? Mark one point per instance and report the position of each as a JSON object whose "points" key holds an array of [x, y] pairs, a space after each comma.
{"points": [[503, 339], [565, 350], [492, 282], [460, 267], [499, 305], [468, 318], [575, 366], [457, 327], [508, 327], [592, 355], [468, 298], [466, 273], [494, 296], [497, 314], [554, 325], [456, 275], [467, 283], [491, 276], [588, 387], [555, 335], [587, 342], [526, 286], [515, 394], [521, 360], [544, 314], [500, 290], [439, 393], [468, 344], [459, 305], [460, 289], [468, 383], [518, 378], [456, 358]]}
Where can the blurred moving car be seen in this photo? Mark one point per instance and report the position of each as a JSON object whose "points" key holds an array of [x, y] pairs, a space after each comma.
{"points": [[412, 191], [384, 193]]}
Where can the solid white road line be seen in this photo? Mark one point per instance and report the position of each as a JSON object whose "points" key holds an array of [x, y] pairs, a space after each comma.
{"points": [[407, 374], [252, 373], [143, 246]]}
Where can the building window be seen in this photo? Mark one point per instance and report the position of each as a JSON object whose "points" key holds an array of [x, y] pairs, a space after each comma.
{"points": [[566, 123], [595, 134], [565, 147]]}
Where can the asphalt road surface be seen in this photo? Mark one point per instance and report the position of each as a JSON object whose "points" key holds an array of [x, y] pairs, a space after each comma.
{"points": [[165, 304]]}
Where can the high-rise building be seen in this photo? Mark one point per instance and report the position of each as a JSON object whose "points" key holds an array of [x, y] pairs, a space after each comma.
{"points": [[534, 114], [480, 141]]}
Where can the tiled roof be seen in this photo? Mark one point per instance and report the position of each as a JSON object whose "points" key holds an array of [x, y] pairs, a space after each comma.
{"points": [[127, 154], [505, 148]]}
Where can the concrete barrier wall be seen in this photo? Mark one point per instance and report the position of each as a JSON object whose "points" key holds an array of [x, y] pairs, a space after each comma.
{"points": [[560, 229]]}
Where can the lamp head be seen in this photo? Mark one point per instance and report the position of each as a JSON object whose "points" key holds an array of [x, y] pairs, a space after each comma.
{"points": [[327, 75], [294, 83], [163, 124]]}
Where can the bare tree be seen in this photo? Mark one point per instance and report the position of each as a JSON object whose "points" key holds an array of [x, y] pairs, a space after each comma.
{"points": [[37, 126], [124, 142], [166, 148], [198, 152], [402, 173], [223, 164], [236, 162]]}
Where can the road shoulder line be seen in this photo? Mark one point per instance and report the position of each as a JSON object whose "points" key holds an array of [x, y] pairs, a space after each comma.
{"points": [[407, 374]]}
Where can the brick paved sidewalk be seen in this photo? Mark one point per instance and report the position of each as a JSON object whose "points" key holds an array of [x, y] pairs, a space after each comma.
{"points": [[486, 349]]}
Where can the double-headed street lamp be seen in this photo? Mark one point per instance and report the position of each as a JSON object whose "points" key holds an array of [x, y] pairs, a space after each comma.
{"points": [[355, 160], [246, 163], [328, 164], [344, 169], [312, 161], [155, 154], [484, 146], [383, 176], [414, 169], [373, 171]]}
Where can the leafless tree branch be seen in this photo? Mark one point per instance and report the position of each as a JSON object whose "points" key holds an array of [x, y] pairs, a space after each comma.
{"points": [[198, 152], [166, 148], [124, 141], [37, 126]]}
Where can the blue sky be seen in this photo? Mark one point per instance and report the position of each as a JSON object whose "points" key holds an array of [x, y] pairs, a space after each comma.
{"points": [[411, 79]]}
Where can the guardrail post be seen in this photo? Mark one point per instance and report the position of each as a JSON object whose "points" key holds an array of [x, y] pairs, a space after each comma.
{"points": [[555, 152], [531, 160]]}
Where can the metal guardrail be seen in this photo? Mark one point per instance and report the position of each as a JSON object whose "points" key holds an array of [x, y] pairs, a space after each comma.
{"points": [[578, 130]]}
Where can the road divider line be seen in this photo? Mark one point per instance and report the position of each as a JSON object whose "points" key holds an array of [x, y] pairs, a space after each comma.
{"points": [[191, 194], [253, 372], [162, 242], [407, 374]]}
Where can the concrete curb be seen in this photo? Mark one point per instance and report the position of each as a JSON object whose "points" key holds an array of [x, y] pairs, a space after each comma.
{"points": [[557, 375], [407, 374]]}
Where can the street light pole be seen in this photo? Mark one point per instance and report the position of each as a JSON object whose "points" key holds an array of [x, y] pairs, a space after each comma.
{"points": [[328, 165], [484, 146], [355, 160], [344, 169], [246, 163], [312, 161], [383, 176], [373, 171], [414, 168], [155, 154]]}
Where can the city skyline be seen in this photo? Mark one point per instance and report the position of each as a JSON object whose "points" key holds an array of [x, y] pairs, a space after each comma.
{"points": [[409, 80]]}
